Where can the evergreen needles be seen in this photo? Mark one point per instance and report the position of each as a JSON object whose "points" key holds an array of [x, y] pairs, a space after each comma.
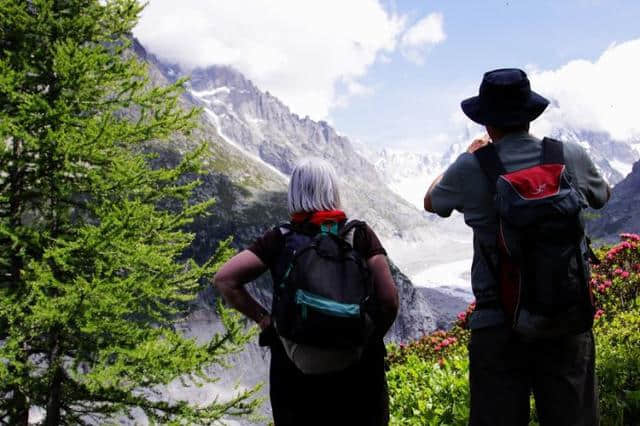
{"points": [[91, 281]]}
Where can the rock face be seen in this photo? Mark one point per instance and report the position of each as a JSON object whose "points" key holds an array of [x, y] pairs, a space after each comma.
{"points": [[621, 212], [416, 316], [263, 127]]}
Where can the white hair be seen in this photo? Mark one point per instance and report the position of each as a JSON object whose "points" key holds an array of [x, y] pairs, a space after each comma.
{"points": [[313, 187]]}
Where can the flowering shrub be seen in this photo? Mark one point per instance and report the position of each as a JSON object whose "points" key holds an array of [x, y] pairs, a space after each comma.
{"points": [[463, 317], [428, 378], [616, 281], [435, 346]]}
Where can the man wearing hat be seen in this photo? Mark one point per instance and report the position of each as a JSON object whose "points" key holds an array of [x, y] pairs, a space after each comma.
{"points": [[506, 366]]}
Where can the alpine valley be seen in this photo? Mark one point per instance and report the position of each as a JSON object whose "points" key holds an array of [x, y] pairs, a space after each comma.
{"points": [[253, 143]]}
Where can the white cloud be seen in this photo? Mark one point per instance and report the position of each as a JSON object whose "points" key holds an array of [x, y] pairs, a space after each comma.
{"points": [[601, 95], [351, 88], [299, 51], [424, 34], [355, 88]]}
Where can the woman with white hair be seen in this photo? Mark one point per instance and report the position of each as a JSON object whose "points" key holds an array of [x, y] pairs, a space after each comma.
{"points": [[303, 391]]}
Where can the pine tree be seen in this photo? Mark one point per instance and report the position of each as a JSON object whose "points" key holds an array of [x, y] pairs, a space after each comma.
{"points": [[91, 277]]}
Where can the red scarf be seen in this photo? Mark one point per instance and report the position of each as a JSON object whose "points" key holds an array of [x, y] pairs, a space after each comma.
{"points": [[318, 218]]}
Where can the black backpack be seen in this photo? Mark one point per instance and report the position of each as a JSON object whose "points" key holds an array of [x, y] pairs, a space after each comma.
{"points": [[543, 251], [322, 297]]}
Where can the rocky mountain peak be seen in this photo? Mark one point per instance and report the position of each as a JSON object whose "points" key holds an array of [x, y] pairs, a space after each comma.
{"points": [[613, 158], [621, 212], [261, 125]]}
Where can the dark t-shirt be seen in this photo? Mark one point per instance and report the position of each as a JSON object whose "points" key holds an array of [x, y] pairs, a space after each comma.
{"points": [[269, 246]]}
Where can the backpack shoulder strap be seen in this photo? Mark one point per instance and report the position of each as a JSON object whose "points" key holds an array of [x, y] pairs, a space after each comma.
{"points": [[295, 239], [348, 231], [552, 152], [289, 228], [490, 163], [284, 228]]}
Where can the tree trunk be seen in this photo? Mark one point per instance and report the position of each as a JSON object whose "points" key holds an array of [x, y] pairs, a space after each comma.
{"points": [[19, 405], [54, 399], [18, 409], [54, 402]]}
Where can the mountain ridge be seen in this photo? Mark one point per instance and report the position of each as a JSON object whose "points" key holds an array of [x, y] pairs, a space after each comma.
{"points": [[409, 174], [266, 128], [620, 214]]}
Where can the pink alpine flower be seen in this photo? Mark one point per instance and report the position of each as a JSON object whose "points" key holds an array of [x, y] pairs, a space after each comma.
{"points": [[631, 237]]}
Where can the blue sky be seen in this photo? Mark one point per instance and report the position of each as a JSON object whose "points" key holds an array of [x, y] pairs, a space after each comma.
{"points": [[392, 73], [412, 104]]}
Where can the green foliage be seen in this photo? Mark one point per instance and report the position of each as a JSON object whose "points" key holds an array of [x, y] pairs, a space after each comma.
{"points": [[423, 392], [91, 281], [428, 380], [618, 367]]}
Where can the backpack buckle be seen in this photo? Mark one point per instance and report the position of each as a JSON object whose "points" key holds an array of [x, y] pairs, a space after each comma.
{"points": [[329, 229]]}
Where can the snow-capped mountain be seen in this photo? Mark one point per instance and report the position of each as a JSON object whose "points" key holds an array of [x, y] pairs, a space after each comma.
{"points": [[265, 129], [409, 174], [612, 157]]}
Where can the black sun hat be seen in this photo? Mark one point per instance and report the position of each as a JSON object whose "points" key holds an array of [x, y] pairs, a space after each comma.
{"points": [[505, 99]]}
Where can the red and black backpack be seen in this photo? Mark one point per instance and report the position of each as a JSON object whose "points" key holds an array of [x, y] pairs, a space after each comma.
{"points": [[543, 269]]}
